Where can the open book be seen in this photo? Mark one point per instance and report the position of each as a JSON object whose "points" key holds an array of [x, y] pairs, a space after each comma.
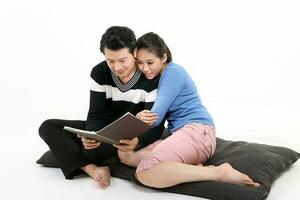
{"points": [[126, 127]]}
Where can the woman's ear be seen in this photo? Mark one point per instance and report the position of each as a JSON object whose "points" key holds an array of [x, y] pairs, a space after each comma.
{"points": [[165, 58], [134, 52]]}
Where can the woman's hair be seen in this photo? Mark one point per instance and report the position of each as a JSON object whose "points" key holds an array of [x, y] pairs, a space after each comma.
{"points": [[118, 37], [154, 44]]}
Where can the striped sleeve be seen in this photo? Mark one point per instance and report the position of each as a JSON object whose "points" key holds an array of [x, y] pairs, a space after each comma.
{"points": [[96, 115]]}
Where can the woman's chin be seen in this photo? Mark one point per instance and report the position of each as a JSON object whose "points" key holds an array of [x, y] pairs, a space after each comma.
{"points": [[150, 77]]}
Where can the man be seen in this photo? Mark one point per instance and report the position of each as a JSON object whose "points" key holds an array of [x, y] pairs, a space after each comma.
{"points": [[118, 86]]}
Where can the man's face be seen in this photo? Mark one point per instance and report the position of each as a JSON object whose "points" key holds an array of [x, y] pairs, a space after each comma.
{"points": [[121, 62]]}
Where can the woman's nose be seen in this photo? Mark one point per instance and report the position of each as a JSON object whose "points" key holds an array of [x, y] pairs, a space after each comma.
{"points": [[145, 68]]}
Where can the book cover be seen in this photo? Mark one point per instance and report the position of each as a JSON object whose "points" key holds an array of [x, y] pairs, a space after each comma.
{"points": [[126, 127]]}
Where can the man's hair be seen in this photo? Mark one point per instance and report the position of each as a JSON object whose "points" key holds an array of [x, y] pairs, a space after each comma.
{"points": [[118, 37]]}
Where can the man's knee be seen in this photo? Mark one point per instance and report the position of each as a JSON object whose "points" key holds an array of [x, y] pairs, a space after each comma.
{"points": [[44, 129]]}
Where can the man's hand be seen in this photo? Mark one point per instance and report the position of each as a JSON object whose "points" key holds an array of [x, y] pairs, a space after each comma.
{"points": [[147, 116], [89, 143], [127, 145]]}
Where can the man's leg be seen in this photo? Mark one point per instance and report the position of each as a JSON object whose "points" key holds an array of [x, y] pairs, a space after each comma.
{"points": [[68, 150], [100, 173]]}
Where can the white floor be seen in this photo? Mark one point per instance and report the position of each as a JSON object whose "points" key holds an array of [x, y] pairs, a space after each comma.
{"points": [[20, 177]]}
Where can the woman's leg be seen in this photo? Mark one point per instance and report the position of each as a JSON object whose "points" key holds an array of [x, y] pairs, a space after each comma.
{"points": [[170, 173], [176, 159]]}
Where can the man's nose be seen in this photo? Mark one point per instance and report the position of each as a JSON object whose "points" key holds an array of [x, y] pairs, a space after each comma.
{"points": [[117, 67]]}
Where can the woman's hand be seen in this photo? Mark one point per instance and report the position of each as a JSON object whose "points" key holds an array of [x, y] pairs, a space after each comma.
{"points": [[147, 116]]}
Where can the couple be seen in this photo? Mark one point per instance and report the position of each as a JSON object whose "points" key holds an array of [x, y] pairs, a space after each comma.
{"points": [[139, 77]]}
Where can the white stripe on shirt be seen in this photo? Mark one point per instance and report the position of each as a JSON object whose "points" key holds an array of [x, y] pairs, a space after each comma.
{"points": [[133, 95]]}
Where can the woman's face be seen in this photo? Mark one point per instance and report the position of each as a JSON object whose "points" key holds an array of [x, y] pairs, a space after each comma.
{"points": [[149, 63]]}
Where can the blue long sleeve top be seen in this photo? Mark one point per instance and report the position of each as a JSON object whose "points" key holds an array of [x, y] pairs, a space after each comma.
{"points": [[178, 100]]}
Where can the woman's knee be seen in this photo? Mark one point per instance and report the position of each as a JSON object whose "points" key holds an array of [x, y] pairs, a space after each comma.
{"points": [[145, 173], [145, 177]]}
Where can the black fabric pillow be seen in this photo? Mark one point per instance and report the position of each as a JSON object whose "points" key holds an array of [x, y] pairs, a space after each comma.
{"points": [[263, 163]]}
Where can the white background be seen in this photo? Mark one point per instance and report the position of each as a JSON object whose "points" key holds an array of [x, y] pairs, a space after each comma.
{"points": [[243, 56], [238, 52]]}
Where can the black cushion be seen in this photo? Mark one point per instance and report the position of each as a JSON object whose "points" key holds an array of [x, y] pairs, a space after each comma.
{"points": [[263, 163]]}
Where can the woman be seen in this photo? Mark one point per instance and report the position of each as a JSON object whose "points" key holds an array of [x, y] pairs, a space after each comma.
{"points": [[179, 158]]}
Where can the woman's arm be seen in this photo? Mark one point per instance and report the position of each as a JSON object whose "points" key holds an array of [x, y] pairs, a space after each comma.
{"points": [[171, 84]]}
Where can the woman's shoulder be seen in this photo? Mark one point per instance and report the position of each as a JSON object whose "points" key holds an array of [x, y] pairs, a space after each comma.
{"points": [[175, 69]]}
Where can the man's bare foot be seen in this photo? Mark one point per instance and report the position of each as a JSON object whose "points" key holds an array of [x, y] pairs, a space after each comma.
{"points": [[102, 177], [100, 174], [230, 175]]}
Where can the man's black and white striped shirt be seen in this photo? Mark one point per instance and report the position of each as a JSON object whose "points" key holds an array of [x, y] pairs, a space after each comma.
{"points": [[110, 99]]}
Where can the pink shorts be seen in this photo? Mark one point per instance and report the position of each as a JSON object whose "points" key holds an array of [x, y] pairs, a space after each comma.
{"points": [[192, 144]]}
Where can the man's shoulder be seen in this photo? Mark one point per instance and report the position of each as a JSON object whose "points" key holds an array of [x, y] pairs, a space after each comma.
{"points": [[100, 67], [101, 72]]}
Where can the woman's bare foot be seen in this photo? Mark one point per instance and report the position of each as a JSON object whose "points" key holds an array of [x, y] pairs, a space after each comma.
{"points": [[128, 158], [133, 158], [230, 175], [100, 174]]}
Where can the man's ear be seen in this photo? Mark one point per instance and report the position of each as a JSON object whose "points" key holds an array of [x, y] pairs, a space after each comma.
{"points": [[134, 52]]}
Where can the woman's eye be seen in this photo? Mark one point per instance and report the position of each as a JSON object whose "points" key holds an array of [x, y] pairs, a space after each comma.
{"points": [[150, 63]]}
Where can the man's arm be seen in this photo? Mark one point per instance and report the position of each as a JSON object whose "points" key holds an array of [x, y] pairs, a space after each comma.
{"points": [[96, 115]]}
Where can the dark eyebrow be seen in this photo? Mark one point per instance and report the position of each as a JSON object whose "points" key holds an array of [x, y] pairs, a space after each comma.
{"points": [[146, 60], [118, 59]]}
